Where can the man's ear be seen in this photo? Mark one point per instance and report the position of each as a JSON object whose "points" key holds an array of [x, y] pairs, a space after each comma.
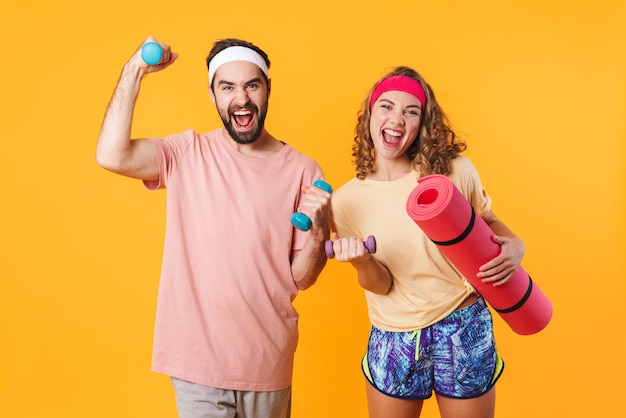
{"points": [[211, 93], [269, 87]]}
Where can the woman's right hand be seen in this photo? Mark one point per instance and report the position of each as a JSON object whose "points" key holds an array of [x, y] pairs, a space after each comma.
{"points": [[350, 249]]}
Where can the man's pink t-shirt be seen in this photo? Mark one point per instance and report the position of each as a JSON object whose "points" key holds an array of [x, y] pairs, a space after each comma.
{"points": [[224, 315]]}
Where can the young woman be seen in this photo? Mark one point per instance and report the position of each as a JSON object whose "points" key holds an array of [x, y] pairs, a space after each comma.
{"points": [[431, 331]]}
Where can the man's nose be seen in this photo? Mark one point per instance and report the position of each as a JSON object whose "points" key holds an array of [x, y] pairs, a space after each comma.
{"points": [[241, 96]]}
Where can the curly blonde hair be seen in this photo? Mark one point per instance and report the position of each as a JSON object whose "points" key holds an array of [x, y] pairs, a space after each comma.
{"points": [[433, 150]]}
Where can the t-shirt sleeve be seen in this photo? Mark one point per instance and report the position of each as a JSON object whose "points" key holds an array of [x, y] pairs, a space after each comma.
{"points": [[465, 176], [170, 151], [341, 220]]}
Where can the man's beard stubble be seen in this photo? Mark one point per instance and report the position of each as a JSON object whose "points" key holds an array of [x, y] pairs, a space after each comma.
{"points": [[248, 137]]}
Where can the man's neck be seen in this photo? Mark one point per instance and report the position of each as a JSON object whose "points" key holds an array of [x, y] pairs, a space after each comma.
{"points": [[265, 146]]}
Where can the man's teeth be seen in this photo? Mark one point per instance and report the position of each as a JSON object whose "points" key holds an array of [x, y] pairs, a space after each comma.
{"points": [[392, 133], [242, 112]]}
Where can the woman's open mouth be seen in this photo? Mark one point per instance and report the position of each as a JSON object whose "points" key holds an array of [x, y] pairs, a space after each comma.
{"points": [[391, 137]]}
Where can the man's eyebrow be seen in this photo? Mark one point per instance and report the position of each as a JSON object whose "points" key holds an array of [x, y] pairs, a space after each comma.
{"points": [[232, 83]]}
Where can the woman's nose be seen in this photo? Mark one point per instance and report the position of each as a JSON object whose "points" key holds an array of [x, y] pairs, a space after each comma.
{"points": [[397, 118]]}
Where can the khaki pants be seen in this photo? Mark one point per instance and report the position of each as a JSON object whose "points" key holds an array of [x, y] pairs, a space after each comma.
{"points": [[198, 401]]}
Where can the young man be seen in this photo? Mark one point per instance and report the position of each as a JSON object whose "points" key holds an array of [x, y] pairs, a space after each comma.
{"points": [[226, 329]]}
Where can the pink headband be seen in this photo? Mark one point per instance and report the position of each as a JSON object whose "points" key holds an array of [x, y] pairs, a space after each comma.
{"points": [[399, 83]]}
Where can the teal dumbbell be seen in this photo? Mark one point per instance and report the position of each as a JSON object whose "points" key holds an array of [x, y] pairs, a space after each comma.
{"points": [[300, 220], [151, 53]]}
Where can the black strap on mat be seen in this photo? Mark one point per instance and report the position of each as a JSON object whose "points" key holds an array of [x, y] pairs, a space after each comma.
{"points": [[521, 302], [463, 235]]}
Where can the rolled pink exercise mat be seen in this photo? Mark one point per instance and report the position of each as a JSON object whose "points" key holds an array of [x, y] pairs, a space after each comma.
{"points": [[447, 218]]}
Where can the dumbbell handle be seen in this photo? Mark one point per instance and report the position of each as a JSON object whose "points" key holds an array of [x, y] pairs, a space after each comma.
{"points": [[300, 220], [370, 246]]}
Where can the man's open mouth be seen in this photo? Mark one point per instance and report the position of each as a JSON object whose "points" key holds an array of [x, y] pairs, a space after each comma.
{"points": [[243, 118]]}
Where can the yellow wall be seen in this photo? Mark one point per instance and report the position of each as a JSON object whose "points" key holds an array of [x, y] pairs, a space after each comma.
{"points": [[537, 88]]}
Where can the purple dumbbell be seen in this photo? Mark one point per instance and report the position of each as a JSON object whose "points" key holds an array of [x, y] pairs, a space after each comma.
{"points": [[370, 246]]}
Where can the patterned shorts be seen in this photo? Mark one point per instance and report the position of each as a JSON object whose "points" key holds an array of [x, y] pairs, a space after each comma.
{"points": [[456, 357]]}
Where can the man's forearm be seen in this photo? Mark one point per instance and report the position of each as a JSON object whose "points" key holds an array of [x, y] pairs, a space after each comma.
{"points": [[114, 141], [310, 261]]}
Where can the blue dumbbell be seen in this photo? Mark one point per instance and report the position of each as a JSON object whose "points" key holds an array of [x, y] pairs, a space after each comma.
{"points": [[300, 220], [151, 53]]}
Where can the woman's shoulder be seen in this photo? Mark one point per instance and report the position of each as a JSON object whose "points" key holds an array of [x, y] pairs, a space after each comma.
{"points": [[462, 169], [348, 187], [461, 163]]}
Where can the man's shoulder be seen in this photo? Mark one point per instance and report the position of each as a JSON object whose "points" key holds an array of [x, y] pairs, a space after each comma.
{"points": [[299, 156]]}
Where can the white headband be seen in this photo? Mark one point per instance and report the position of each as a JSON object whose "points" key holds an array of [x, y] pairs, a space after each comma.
{"points": [[236, 53]]}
